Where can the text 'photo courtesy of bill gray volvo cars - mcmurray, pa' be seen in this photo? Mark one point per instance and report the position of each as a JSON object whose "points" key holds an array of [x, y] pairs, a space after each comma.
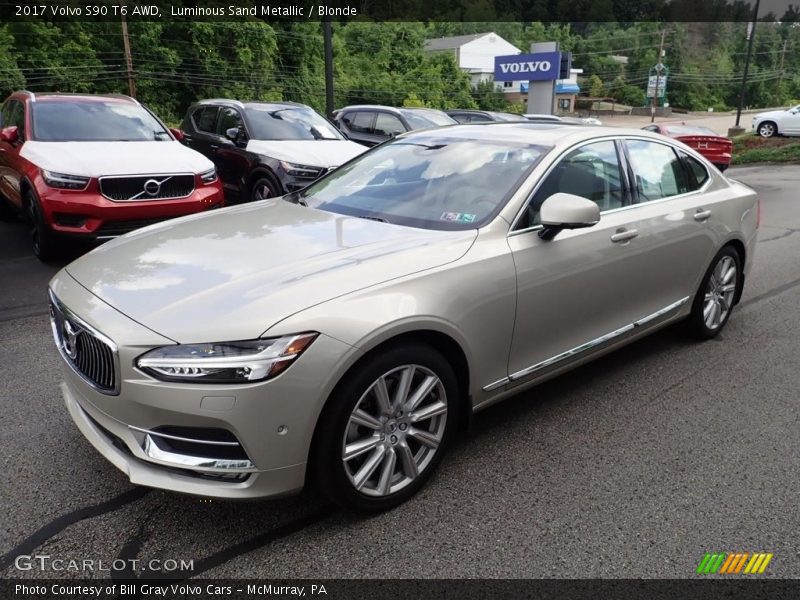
{"points": [[343, 333]]}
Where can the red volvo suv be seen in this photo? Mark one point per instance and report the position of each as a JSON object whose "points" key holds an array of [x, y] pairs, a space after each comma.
{"points": [[95, 167]]}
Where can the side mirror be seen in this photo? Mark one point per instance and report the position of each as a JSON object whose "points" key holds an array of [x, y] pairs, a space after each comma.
{"points": [[232, 133], [177, 133], [9, 134], [566, 211]]}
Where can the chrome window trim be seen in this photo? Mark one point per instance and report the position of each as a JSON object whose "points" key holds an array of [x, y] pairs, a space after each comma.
{"points": [[100, 336], [151, 175], [622, 138], [522, 373]]}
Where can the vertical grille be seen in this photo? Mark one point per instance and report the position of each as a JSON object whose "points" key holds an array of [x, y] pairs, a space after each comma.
{"points": [[90, 354]]}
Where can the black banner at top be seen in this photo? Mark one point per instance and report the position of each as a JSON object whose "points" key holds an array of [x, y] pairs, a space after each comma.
{"points": [[622, 11]]}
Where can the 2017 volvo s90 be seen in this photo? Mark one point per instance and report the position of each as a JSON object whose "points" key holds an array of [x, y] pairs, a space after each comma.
{"points": [[341, 334]]}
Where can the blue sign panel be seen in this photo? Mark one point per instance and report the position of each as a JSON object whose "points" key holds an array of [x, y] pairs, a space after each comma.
{"points": [[542, 66]]}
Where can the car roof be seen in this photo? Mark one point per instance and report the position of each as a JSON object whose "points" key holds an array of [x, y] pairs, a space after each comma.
{"points": [[249, 104], [65, 97], [544, 134]]}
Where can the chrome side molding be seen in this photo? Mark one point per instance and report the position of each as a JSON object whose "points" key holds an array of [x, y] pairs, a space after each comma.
{"points": [[584, 347]]}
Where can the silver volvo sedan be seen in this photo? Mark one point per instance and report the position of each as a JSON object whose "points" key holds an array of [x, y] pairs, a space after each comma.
{"points": [[342, 334]]}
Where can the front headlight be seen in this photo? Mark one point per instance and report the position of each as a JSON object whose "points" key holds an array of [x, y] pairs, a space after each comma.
{"points": [[63, 181], [302, 171], [225, 362], [209, 176]]}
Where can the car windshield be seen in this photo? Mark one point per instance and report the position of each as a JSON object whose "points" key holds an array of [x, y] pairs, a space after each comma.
{"points": [[95, 121], [689, 130], [430, 182], [425, 119], [289, 123]]}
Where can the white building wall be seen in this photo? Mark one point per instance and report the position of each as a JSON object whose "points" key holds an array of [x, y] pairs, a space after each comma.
{"points": [[478, 56]]}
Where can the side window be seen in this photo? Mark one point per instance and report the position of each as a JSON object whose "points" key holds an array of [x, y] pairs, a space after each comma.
{"points": [[657, 169], [479, 118], [591, 171], [460, 117], [228, 119], [388, 125], [205, 118], [698, 175], [14, 116], [359, 122]]}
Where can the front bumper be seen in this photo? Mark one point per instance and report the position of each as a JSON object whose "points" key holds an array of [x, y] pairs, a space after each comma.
{"points": [[271, 423], [89, 214]]}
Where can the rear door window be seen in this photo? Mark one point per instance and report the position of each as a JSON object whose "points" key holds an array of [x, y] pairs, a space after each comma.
{"points": [[658, 172], [205, 118]]}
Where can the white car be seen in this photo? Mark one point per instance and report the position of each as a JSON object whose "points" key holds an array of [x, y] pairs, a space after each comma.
{"points": [[777, 122]]}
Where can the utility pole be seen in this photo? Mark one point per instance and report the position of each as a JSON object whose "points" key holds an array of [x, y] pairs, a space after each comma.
{"points": [[781, 73], [659, 67], [129, 62], [328, 43], [747, 64]]}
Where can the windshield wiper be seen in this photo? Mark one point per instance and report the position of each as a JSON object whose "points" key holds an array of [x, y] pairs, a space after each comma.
{"points": [[295, 198], [370, 218]]}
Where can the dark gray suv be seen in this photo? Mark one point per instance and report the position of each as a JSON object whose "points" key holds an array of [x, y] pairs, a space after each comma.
{"points": [[372, 124]]}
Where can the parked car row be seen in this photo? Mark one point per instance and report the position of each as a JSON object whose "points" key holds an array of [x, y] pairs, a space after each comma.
{"points": [[100, 166]]}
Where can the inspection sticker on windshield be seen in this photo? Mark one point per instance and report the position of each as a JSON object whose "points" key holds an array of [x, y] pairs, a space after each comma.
{"points": [[458, 217]]}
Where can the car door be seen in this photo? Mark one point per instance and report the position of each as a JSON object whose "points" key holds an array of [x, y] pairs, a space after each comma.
{"points": [[791, 122], [204, 134], [13, 115], [590, 287], [230, 156]]}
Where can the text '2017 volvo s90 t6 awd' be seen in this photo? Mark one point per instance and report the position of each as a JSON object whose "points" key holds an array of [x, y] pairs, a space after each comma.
{"points": [[341, 334]]}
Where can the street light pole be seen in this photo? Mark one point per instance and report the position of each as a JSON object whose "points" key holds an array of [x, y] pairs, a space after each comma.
{"points": [[328, 43], [747, 64]]}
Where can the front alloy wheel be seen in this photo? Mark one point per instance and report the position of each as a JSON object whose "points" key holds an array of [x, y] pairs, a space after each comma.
{"points": [[386, 427], [394, 430], [767, 129]]}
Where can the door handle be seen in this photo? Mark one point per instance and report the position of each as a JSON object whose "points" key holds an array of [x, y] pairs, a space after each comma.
{"points": [[214, 146], [702, 215], [624, 235]]}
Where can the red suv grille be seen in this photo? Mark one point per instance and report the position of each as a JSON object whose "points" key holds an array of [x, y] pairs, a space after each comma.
{"points": [[141, 188]]}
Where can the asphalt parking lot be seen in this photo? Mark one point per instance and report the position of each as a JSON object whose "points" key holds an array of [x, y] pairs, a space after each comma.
{"points": [[633, 466]]}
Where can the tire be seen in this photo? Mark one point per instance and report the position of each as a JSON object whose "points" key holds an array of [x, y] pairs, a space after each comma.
{"points": [[43, 239], [7, 212], [264, 187], [722, 168], [388, 463], [715, 298], [767, 129]]}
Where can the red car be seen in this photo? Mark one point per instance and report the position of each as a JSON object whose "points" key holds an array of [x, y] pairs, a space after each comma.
{"points": [[715, 148], [95, 167]]}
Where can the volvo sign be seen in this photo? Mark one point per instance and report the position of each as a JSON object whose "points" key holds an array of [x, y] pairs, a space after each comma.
{"points": [[541, 66]]}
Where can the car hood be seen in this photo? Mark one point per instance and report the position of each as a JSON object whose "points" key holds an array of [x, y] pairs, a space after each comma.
{"points": [[771, 114], [96, 159], [233, 273], [314, 153]]}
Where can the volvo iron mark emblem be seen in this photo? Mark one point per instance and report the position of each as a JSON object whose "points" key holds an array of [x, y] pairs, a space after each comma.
{"points": [[69, 336]]}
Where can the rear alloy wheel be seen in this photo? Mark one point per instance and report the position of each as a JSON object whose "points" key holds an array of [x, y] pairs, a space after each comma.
{"points": [[263, 188], [767, 129], [391, 423], [714, 302], [42, 237]]}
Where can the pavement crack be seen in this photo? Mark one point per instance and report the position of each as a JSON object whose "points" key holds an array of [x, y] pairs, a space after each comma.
{"points": [[773, 292], [254, 543], [785, 234], [58, 525]]}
